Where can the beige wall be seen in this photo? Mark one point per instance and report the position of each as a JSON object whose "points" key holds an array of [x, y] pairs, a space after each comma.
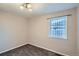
{"points": [[38, 33], [13, 31], [78, 30]]}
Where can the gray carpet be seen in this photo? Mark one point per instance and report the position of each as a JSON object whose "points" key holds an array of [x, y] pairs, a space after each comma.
{"points": [[29, 50]]}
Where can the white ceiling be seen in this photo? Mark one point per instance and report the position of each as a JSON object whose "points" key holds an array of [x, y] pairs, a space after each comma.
{"points": [[38, 8]]}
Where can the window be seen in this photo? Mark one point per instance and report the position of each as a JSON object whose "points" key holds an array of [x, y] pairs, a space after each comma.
{"points": [[58, 27]]}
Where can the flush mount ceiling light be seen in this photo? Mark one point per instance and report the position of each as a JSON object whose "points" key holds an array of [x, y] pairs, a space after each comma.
{"points": [[27, 6]]}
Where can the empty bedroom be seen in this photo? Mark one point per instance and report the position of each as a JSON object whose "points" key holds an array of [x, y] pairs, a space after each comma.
{"points": [[39, 29]]}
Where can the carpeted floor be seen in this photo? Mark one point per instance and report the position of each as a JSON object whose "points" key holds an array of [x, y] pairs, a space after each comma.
{"points": [[29, 50]]}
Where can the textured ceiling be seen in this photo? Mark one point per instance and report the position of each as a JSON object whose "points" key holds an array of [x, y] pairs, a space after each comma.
{"points": [[38, 8]]}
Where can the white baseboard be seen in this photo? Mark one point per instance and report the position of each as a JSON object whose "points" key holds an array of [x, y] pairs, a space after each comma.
{"points": [[50, 50], [36, 46], [11, 48]]}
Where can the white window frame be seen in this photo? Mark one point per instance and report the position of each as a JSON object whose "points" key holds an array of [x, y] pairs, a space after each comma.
{"points": [[49, 30]]}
